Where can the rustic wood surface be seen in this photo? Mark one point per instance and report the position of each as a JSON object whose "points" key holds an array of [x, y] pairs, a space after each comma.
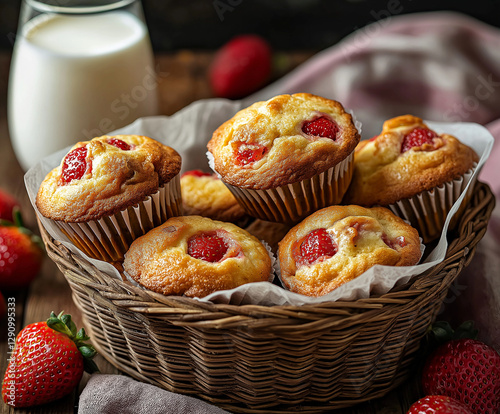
{"points": [[182, 80]]}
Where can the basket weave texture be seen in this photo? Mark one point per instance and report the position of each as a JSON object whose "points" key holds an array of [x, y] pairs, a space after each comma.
{"points": [[259, 359]]}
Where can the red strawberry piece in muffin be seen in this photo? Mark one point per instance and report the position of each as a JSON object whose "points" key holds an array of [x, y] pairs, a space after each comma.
{"points": [[321, 127]]}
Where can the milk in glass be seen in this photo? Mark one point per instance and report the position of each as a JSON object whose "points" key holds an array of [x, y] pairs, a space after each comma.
{"points": [[77, 77]]}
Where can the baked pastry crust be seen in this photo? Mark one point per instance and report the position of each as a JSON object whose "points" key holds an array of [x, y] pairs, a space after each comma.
{"points": [[364, 237], [208, 196], [384, 175], [292, 155], [118, 179], [159, 260]]}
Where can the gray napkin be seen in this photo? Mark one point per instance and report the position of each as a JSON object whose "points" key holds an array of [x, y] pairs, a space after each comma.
{"points": [[111, 394]]}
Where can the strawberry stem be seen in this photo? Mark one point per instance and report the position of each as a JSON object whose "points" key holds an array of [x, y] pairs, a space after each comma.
{"points": [[442, 331], [64, 324], [18, 217], [466, 330]]}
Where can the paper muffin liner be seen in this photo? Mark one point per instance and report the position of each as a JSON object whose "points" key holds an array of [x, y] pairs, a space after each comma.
{"points": [[293, 202], [110, 237], [427, 211]]}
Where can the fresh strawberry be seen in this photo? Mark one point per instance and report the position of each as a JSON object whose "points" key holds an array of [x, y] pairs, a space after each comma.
{"points": [[196, 173], [207, 246], [416, 138], [21, 254], [75, 165], [240, 67], [47, 362], [7, 204], [442, 404], [317, 246], [467, 370], [321, 127], [118, 143], [249, 153]]}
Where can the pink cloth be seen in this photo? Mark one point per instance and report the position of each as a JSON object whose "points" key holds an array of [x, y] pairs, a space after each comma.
{"points": [[491, 170]]}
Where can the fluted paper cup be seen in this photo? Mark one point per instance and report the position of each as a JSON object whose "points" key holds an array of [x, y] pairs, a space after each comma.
{"points": [[427, 210], [293, 202], [110, 237]]}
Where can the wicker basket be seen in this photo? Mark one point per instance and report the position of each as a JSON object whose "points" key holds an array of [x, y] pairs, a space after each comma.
{"points": [[258, 359]]}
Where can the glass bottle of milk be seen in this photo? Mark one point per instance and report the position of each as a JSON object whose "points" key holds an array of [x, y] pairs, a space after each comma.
{"points": [[80, 69]]}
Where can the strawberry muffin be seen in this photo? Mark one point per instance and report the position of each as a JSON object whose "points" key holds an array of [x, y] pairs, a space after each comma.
{"points": [[195, 256], [337, 244], [413, 170], [108, 191], [204, 194], [286, 157]]}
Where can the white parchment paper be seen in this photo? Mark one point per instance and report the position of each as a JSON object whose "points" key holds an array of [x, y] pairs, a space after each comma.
{"points": [[188, 132]]}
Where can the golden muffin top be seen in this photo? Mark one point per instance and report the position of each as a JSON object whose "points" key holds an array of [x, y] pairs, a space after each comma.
{"points": [[105, 175], [286, 139], [204, 194], [404, 160], [337, 244], [195, 256]]}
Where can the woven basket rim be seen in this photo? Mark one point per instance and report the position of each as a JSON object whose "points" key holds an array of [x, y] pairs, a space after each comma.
{"points": [[152, 303]]}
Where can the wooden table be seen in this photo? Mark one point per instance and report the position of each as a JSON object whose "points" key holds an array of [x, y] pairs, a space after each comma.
{"points": [[183, 81]]}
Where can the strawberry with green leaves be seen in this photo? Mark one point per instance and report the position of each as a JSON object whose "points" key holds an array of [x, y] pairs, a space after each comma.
{"points": [[465, 369], [21, 254], [47, 362]]}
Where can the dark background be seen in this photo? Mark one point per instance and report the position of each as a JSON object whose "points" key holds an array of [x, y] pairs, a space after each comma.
{"points": [[286, 24]]}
